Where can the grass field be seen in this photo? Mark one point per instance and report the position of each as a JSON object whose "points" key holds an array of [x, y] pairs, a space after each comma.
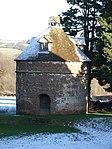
{"points": [[26, 125]]}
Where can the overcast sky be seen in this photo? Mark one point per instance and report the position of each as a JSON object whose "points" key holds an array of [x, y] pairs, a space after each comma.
{"points": [[22, 19]]}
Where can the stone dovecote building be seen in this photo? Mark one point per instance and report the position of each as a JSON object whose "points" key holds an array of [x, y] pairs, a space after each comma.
{"points": [[52, 74]]}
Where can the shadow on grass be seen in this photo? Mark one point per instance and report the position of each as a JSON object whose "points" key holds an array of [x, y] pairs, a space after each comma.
{"points": [[11, 125]]}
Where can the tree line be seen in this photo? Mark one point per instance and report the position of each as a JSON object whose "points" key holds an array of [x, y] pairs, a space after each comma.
{"points": [[92, 19]]}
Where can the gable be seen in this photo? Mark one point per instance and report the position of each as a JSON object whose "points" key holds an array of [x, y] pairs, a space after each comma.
{"points": [[44, 39]]}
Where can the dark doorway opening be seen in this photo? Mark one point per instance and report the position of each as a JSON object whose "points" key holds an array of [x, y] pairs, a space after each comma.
{"points": [[44, 104]]}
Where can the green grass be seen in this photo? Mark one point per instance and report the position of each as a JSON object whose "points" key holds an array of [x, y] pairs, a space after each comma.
{"points": [[27, 125], [11, 130]]}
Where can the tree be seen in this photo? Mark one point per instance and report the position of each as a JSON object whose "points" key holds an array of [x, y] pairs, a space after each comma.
{"points": [[94, 19], [103, 69], [82, 17]]}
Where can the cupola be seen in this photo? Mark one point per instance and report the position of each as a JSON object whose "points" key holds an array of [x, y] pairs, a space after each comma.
{"points": [[54, 21]]}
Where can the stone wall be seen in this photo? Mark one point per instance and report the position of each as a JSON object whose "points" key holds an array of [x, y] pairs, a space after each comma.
{"points": [[64, 82]]}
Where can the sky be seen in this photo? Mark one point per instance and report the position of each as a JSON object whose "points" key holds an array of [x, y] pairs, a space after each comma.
{"points": [[23, 19]]}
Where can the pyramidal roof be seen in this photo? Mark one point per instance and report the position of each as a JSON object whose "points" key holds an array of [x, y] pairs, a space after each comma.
{"points": [[62, 48]]}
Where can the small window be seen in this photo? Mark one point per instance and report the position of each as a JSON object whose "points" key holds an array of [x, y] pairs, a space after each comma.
{"points": [[43, 46]]}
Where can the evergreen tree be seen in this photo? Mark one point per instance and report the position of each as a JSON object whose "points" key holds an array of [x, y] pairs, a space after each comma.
{"points": [[82, 17], [94, 19], [103, 67]]}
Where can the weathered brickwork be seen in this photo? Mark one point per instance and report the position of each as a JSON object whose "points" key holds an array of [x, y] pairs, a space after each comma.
{"points": [[64, 82]]}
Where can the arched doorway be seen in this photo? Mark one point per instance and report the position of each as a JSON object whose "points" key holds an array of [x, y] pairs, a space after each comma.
{"points": [[44, 104]]}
